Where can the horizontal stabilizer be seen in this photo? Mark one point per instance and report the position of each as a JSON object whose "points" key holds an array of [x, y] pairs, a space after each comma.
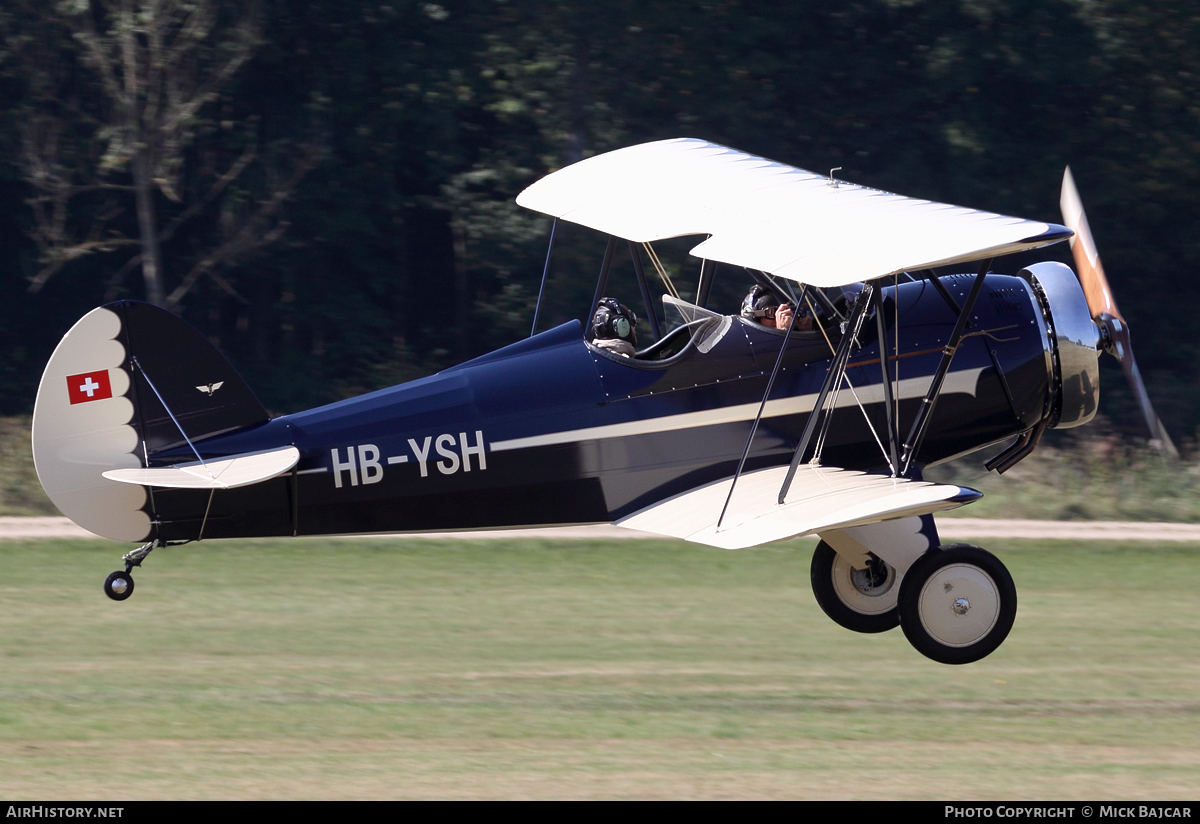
{"points": [[225, 473], [821, 498]]}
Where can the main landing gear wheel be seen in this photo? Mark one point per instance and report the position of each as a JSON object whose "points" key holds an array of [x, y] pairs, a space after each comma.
{"points": [[118, 586], [862, 600], [957, 604]]}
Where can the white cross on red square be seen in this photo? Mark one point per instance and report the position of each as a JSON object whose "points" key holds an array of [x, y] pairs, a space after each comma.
{"points": [[90, 386]]}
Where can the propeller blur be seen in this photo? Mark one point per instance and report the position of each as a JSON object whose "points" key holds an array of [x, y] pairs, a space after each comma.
{"points": [[1103, 306]]}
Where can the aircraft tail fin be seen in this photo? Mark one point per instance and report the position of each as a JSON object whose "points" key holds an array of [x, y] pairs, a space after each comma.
{"points": [[126, 382]]}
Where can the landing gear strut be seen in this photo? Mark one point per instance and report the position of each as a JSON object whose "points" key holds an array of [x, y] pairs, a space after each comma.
{"points": [[119, 585]]}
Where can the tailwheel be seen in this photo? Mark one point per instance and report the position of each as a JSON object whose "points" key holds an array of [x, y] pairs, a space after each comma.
{"points": [[862, 600], [957, 604], [118, 585]]}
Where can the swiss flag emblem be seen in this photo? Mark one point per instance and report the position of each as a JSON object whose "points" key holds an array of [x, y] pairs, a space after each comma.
{"points": [[90, 386]]}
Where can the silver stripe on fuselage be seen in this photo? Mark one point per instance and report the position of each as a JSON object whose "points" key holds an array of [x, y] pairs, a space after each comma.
{"points": [[963, 382]]}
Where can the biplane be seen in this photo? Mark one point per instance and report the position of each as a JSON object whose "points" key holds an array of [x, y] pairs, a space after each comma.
{"points": [[719, 431]]}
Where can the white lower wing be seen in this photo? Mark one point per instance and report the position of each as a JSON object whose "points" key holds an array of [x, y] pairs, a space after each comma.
{"points": [[225, 473], [821, 498]]}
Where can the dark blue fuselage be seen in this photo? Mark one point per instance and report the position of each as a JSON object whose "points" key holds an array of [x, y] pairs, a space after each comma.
{"points": [[552, 430]]}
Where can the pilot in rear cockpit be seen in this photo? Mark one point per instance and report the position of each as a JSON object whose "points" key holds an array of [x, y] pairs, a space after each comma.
{"points": [[614, 327], [762, 307]]}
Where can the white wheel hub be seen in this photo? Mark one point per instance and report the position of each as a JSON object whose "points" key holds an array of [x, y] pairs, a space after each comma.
{"points": [[959, 605], [864, 592]]}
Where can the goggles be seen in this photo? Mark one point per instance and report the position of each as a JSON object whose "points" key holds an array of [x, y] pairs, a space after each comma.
{"points": [[768, 312]]}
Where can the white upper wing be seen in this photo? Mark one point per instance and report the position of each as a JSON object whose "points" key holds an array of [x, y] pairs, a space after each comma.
{"points": [[821, 499], [773, 217]]}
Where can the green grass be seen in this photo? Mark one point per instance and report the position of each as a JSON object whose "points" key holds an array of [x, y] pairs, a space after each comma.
{"points": [[391, 668]]}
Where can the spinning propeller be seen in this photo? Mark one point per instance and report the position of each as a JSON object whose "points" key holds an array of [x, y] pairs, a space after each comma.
{"points": [[1103, 307]]}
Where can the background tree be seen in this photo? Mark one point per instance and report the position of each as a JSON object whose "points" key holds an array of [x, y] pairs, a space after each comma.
{"points": [[154, 70]]}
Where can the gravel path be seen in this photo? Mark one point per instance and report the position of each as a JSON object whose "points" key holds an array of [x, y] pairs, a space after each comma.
{"points": [[950, 529]]}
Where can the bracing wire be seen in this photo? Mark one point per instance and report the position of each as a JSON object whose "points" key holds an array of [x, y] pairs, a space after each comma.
{"points": [[870, 425], [174, 420], [662, 271], [813, 310], [832, 405]]}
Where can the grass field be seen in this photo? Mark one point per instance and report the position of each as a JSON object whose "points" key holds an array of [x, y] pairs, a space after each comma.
{"points": [[402, 669]]}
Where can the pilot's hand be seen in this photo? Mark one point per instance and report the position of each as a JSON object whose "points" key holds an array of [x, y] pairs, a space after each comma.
{"points": [[783, 316]]}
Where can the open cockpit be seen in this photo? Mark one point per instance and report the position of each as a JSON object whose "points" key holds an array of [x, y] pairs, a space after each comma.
{"points": [[693, 329]]}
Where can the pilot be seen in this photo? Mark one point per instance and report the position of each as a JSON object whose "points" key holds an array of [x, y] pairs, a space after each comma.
{"points": [[614, 327], [761, 306]]}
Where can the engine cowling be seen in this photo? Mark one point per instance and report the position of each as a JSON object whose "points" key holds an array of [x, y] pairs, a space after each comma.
{"points": [[1072, 345]]}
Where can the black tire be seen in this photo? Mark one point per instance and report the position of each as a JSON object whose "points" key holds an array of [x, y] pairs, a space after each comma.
{"points": [[118, 585], [859, 600], [957, 604]]}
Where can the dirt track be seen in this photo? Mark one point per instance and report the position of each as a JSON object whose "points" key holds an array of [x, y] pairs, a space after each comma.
{"points": [[951, 529]]}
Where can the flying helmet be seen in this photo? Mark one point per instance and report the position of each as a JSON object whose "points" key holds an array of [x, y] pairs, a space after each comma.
{"points": [[759, 303], [614, 320]]}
